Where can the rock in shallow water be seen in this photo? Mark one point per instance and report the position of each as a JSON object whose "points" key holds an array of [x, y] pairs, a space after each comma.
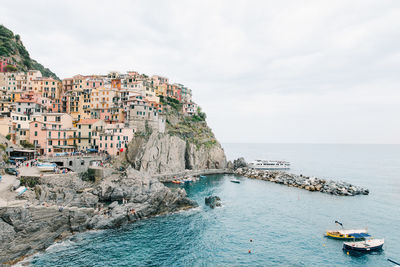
{"points": [[213, 201]]}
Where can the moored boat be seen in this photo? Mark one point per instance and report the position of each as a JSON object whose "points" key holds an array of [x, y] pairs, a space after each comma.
{"points": [[236, 181], [350, 234], [364, 246], [46, 167]]}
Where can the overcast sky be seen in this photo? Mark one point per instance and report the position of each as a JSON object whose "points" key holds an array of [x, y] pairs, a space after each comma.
{"points": [[264, 71]]}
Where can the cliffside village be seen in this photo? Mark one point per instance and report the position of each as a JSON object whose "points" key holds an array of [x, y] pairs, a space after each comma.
{"points": [[94, 113]]}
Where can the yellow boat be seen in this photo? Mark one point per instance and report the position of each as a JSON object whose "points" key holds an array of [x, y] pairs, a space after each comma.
{"points": [[346, 234]]}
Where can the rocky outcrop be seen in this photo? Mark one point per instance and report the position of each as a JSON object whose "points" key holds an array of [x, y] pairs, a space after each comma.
{"points": [[164, 153], [239, 163], [213, 201], [305, 182], [61, 205]]}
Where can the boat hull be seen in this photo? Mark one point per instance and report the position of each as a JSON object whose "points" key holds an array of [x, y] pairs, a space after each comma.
{"points": [[341, 237], [46, 169], [374, 248]]}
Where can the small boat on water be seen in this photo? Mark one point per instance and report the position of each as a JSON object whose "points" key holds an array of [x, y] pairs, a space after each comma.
{"points": [[350, 234], [236, 181], [203, 176], [260, 164], [46, 167], [177, 182], [347, 234], [364, 246]]}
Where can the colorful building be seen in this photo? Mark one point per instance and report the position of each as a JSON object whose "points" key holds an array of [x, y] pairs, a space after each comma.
{"points": [[86, 132], [114, 138], [52, 133]]}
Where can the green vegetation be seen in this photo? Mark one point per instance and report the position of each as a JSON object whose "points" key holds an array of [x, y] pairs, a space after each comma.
{"points": [[8, 136], [12, 46], [2, 147], [88, 176], [171, 103], [193, 129], [11, 68], [29, 181], [26, 144]]}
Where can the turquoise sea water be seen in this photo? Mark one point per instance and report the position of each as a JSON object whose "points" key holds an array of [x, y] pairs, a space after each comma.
{"points": [[286, 224]]}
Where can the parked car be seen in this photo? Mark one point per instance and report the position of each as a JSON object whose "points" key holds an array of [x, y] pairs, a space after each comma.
{"points": [[12, 171]]}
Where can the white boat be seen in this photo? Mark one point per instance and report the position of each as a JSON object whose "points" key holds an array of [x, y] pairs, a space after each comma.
{"points": [[260, 164], [20, 190], [364, 246], [46, 167]]}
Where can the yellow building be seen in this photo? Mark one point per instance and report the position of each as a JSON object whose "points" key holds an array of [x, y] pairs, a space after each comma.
{"points": [[78, 104], [86, 130]]}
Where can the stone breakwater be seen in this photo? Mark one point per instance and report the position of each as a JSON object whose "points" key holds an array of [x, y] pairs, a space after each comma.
{"points": [[304, 182]]}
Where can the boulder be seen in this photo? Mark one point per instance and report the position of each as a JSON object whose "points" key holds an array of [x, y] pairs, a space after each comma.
{"points": [[213, 201], [239, 163], [7, 232], [113, 205]]}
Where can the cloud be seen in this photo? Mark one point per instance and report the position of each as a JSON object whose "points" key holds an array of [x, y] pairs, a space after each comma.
{"points": [[264, 71]]}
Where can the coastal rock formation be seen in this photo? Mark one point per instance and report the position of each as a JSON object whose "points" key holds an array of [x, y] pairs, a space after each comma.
{"points": [[304, 182], [164, 153], [239, 163], [213, 201], [187, 144], [61, 205]]}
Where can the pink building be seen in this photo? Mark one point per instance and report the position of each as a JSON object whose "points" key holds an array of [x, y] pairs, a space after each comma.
{"points": [[114, 138], [4, 62], [52, 133]]}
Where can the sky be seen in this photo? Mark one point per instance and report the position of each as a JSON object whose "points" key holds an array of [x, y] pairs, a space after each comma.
{"points": [[263, 71]]}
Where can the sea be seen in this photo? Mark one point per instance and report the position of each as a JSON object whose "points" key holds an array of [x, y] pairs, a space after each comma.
{"points": [[260, 223]]}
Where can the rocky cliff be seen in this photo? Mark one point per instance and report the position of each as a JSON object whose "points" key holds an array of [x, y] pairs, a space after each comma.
{"points": [[187, 144], [12, 47], [165, 153], [61, 205]]}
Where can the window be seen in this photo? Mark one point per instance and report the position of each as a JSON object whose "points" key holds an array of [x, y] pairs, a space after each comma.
{"points": [[70, 163], [35, 134]]}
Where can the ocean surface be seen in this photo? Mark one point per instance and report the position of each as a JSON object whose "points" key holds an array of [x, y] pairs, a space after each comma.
{"points": [[286, 224]]}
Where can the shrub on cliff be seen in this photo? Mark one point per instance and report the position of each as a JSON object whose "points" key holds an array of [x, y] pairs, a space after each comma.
{"points": [[11, 46]]}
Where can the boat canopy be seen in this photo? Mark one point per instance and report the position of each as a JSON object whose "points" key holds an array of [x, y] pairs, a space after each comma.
{"points": [[359, 235]]}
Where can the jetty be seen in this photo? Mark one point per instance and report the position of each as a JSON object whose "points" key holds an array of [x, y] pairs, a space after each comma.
{"points": [[312, 184]]}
